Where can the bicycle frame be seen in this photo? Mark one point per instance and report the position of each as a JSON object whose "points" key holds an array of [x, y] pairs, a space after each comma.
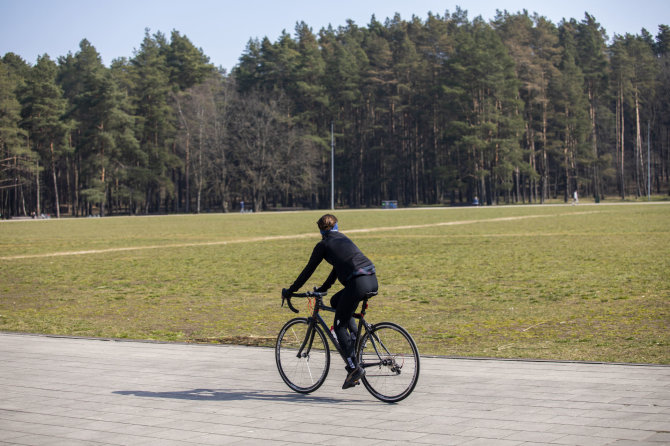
{"points": [[316, 318]]}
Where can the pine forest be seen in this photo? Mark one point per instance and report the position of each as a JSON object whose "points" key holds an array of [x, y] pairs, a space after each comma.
{"points": [[441, 110]]}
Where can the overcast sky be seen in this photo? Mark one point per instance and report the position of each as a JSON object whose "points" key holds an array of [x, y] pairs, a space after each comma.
{"points": [[222, 28]]}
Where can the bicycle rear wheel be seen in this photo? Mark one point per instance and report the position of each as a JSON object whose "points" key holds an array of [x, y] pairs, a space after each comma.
{"points": [[304, 372], [390, 358]]}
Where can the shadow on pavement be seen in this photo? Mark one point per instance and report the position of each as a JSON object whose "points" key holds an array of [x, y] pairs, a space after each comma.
{"points": [[234, 395]]}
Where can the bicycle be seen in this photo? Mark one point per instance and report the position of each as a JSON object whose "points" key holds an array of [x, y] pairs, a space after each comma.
{"points": [[385, 350]]}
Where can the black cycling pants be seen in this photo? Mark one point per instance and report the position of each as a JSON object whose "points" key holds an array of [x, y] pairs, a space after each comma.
{"points": [[345, 302]]}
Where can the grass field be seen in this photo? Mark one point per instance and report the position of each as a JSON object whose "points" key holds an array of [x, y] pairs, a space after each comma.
{"points": [[587, 282]]}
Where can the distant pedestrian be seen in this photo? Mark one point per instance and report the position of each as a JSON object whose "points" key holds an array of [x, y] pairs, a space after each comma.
{"points": [[575, 198]]}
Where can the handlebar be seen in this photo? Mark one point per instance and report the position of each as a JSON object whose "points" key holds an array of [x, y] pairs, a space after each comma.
{"points": [[307, 294]]}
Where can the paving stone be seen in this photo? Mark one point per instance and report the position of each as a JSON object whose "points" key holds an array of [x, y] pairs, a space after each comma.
{"points": [[74, 391]]}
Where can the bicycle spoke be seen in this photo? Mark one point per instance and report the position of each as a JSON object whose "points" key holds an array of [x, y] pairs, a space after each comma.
{"points": [[391, 362], [302, 371]]}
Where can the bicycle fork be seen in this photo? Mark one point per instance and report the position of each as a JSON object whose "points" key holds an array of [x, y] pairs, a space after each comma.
{"points": [[309, 339]]}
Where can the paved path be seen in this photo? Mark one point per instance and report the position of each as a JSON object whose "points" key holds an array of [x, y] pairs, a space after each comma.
{"points": [[63, 391]]}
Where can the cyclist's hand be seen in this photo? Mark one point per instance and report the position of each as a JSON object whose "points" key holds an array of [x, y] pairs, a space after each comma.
{"points": [[286, 296]]}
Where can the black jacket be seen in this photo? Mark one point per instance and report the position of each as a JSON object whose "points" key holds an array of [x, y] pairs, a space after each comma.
{"points": [[348, 261]]}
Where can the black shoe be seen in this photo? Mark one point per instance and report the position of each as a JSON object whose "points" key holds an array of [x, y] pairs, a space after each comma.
{"points": [[353, 377]]}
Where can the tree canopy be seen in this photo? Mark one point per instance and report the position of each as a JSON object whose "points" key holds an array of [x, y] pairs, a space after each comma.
{"points": [[440, 110]]}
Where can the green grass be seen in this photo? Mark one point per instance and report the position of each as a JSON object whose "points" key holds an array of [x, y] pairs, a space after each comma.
{"points": [[552, 282]]}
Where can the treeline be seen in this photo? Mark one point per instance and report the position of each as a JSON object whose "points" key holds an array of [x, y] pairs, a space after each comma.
{"points": [[440, 110]]}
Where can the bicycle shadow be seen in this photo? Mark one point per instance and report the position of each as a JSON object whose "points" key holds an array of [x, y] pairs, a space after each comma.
{"points": [[235, 395]]}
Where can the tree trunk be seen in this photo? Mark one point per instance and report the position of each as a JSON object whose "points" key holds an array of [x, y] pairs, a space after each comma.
{"points": [[187, 168], [639, 162], [53, 173], [76, 188], [530, 140], [620, 141], [199, 173], [623, 151], [37, 187], [594, 142], [545, 164], [566, 155], [103, 181]]}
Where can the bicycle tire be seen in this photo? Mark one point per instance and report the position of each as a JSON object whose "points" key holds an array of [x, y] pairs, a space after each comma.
{"points": [[302, 374], [390, 358]]}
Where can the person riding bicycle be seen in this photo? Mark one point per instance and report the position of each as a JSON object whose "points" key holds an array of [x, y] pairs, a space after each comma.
{"points": [[355, 271]]}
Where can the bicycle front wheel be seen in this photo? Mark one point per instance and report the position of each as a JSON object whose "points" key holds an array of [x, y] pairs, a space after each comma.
{"points": [[302, 370], [391, 361]]}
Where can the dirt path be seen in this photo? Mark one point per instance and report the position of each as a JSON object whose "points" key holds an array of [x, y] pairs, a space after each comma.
{"points": [[282, 237]]}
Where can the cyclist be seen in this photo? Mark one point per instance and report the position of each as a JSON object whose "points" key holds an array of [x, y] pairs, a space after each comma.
{"points": [[355, 271]]}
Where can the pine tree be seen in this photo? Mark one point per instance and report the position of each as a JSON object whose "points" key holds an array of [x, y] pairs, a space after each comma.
{"points": [[433, 46], [346, 65], [643, 82], [311, 98], [571, 111], [662, 108], [533, 43], [17, 160], [43, 110], [188, 65], [621, 73], [590, 41], [104, 128], [155, 123], [246, 73], [491, 122]]}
